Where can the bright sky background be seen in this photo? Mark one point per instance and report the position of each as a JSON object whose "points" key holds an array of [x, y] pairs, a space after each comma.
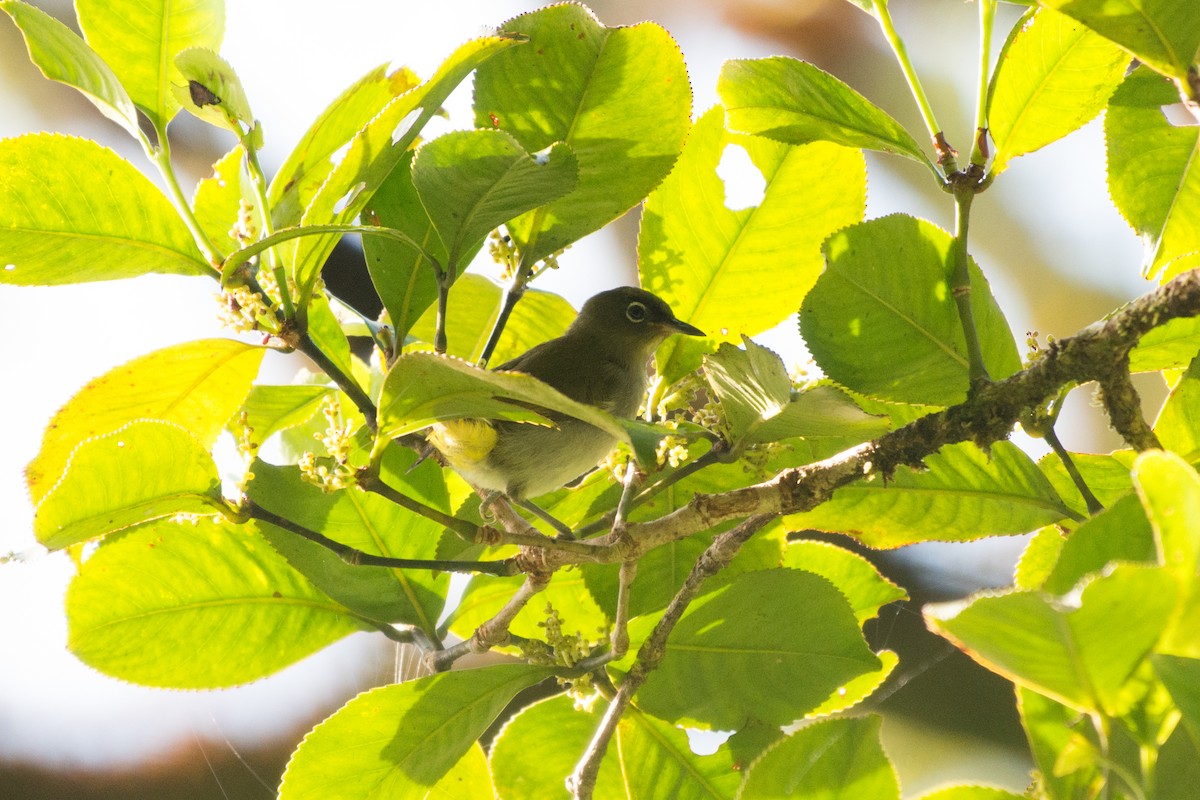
{"points": [[56, 339]]}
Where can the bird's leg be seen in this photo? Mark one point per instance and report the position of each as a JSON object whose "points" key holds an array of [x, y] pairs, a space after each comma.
{"points": [[545, 516]]}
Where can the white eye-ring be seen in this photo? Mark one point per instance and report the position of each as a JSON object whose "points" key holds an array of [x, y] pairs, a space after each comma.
{"points": [[635, 312]]}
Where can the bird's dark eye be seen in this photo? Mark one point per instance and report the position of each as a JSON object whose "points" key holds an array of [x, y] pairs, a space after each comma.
{"points": [[635, 312]]}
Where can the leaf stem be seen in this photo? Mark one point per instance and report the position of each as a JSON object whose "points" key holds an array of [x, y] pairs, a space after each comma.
{"points": [[358, 558], [373, 483], [945, 153], [987, 20], [960, 281], [362, 402], [1094, 506], [161, 158], [236, 259], [516, 289], [259, 182]]}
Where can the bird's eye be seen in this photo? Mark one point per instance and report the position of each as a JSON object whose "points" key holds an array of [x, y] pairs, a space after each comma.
{"points": [[635, 312]]}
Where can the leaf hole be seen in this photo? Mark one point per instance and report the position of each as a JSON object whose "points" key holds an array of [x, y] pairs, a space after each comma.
{"points": [[405, 125], [744, 184]]}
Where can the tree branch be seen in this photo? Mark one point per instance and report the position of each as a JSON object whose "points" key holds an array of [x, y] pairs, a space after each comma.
{"points": [[714, 558]]}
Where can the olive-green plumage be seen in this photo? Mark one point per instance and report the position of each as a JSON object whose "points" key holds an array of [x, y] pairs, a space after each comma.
{"points": [[601, 360]]}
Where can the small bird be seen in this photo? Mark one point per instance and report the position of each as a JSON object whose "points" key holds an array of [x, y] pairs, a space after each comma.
{"points": [[601, 360]]}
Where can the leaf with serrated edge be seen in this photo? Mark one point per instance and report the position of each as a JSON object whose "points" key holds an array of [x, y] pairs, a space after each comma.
{"points": [[620, 100], [1162, 33], [424, 388], [312, 159], [143, 471], [528, 765], [1053, 76], [398, 741], [198, 385], [792, 101], [964, 494], [1153, 171], [833, 758], [72, 211], [196, 605], [882, 320], [1079, 654], [471, 182], [796, 641], [376, 150], [62, 56], [140, 40], [710, 262]]}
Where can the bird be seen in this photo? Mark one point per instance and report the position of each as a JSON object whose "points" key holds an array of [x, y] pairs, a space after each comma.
{"points": [[600, 360]]}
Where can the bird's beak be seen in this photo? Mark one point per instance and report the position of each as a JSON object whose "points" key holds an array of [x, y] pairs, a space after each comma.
{"points": [[678, 326]]}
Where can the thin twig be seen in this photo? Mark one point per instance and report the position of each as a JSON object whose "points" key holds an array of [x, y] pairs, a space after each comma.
{"points": [[1094, 506], [347, 384], [714, 558], [374, 484], [358, 558], [495, 630]]}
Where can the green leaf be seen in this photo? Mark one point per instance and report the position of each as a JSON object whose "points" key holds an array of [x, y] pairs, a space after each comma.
{"points": [[1181, 676], [366, 522], [793, 102], [399, 741], [1169, 346], [140, 472], [657, 763], [270, 409], [971, 793], [1170, 491], [854, 576], [62, 56], [1052, 729], [375, 151], [774, 665], [838, 758], [474, 306], [618, 97], [857, 689], [1178, 423], [97, 220], [201, 605], [881, 318], [963, 494], [663, 570], [1153, 171], [1053, 76], [403, 277], [1119, 533], [528, 764], [486, 595], [471, 182], [755, 392], [424, 388], [1080, 653], [1177, 771], [197, 385], [709, 261], [140, 41], [312, 159], [219, 200], [1106, 475], [1163, 33], [212, 91]]}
